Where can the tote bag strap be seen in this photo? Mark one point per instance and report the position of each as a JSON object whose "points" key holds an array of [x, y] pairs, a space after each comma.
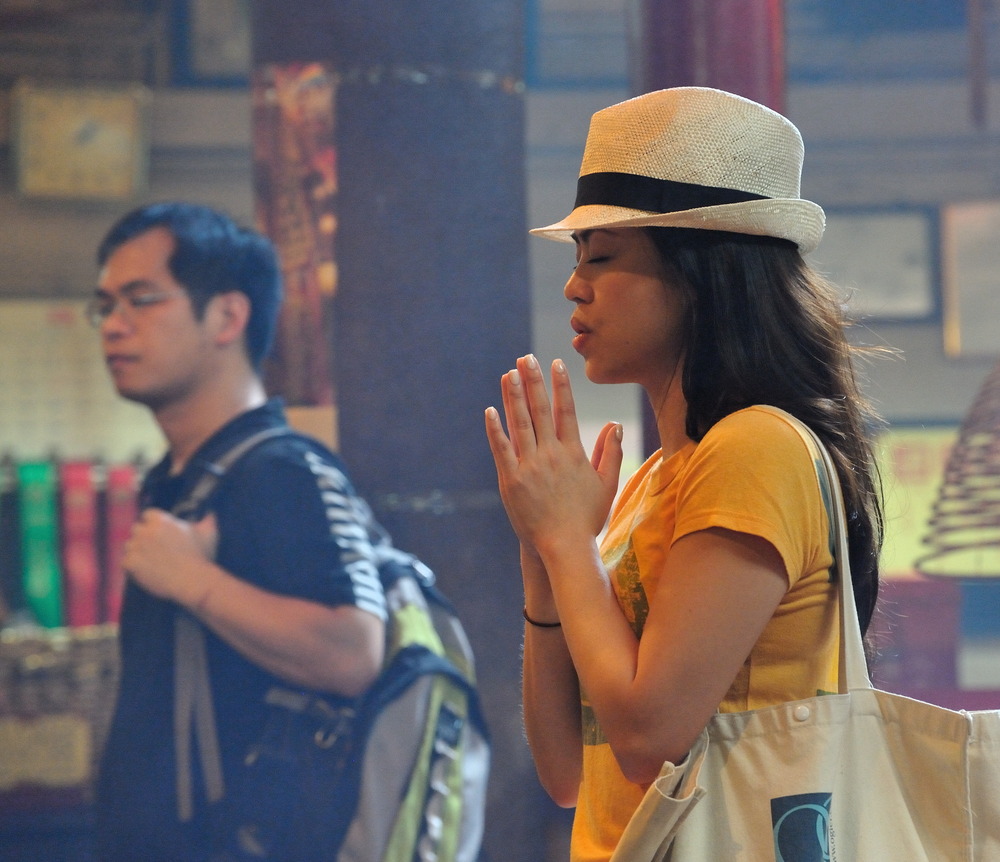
{"points": [[853, 668]]}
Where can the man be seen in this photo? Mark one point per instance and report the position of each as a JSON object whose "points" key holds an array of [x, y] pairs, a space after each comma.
{"points": [[279, 575]]}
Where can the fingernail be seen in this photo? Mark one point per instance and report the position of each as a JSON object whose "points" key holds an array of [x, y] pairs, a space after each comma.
{"points": [[530, 361], [559, 366], [619, 432], [515, 377], [491, 414]]}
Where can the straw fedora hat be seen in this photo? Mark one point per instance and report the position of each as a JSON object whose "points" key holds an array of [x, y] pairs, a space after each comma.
{"points": [[692, 157]]}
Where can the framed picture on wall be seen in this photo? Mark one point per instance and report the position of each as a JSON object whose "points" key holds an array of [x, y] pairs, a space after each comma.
{"points": [[212, 42], [970, 251], [884, 261]]}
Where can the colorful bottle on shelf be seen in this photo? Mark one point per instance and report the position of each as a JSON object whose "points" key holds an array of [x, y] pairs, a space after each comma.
{"points": [[121, 508], [78, 499], [42, 575]]}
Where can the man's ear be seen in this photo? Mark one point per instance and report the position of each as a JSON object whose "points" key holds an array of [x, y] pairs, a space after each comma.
{"points": [[230, 314]]}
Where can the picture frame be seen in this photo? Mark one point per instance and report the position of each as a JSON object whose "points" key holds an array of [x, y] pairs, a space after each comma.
{"points": [[212, 42], [884, 261], [970, 250], [80, 142]]}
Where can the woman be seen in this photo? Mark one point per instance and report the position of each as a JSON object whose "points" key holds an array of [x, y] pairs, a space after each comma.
{"points": [[712, 587]]}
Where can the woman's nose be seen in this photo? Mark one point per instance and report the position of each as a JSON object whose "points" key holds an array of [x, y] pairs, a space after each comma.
{"points": [[576, 289]]}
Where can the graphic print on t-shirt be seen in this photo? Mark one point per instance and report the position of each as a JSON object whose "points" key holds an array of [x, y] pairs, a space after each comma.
{"points": [[623, 567]]}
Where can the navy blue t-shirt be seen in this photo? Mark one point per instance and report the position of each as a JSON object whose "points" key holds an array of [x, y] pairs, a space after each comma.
{"points": [[289, 522]]}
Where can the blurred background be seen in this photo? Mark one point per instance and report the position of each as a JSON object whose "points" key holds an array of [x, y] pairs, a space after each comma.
{"points": [[398, 156]]}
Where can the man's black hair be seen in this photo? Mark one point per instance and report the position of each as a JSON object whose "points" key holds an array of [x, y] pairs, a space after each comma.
{"points": [[213, 255]]}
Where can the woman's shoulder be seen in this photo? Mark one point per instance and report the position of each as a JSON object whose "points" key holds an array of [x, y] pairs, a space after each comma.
{"points": [[757, 429], [754, 473], [759, 417]]}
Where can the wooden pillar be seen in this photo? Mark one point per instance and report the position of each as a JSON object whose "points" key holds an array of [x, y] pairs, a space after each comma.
{"points": [[734, 45], [431, 306]]}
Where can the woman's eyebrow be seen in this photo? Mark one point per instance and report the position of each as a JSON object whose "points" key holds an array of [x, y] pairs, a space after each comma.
{"points": [[586, 235]]}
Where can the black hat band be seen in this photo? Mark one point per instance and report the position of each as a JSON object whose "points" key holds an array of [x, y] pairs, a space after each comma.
{"points": [[652, 195]]}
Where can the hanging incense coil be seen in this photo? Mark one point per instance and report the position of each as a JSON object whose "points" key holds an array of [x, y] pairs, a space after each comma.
{"points": [[964, 527]]}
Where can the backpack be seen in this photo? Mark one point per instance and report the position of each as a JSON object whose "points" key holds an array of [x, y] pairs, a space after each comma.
{"points": [[396, 775]]}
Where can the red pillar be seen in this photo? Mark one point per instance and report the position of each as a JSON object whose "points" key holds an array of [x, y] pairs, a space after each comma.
{"points": [[734, 45]]}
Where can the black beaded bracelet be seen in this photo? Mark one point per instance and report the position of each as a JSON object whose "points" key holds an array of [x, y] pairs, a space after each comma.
{"points": [[538, 624]]}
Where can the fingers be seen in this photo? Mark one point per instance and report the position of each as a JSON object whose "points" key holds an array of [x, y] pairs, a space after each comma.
{"points": [[529, 400], [609, 436], [537, 398], [526, 406], [515, 408], [531, 419], [503, 452], [608, 454], [563, 406]]}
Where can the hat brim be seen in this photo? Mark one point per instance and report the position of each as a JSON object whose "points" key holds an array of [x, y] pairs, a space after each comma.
{"points": [[798, 220]]}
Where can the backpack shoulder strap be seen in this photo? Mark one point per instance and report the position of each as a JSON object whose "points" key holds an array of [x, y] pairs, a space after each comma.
{"points": [[193, 705], [189, 506]]}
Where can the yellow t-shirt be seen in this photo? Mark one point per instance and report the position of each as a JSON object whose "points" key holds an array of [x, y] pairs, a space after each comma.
{"points": [[751, 473]]}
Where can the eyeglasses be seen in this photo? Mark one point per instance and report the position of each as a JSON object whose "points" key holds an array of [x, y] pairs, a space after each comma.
{"points": [[132, 301]]}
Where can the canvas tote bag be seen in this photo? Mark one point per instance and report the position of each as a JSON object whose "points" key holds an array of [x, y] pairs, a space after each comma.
{"points": [[859, 776]]}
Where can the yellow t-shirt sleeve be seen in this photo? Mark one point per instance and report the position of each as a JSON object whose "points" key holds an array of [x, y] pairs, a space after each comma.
{"points": [[752, 473]]}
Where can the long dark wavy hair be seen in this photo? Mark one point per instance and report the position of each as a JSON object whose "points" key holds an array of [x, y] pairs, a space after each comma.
{"points": [[765, 327]]}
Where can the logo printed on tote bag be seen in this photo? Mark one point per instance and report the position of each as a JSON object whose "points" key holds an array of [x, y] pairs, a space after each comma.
{"points": [[801, 826]]}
